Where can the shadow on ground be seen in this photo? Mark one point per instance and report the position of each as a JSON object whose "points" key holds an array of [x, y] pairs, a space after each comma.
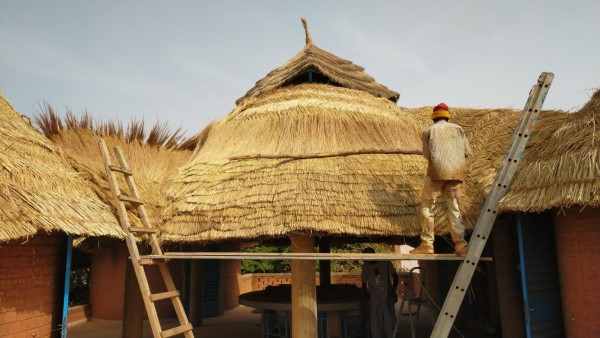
{"points": [[244, 322]]}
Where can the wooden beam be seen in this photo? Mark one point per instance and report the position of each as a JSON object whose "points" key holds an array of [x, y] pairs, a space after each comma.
{"points": [[331, 154], [343, 256], [304, 289]]}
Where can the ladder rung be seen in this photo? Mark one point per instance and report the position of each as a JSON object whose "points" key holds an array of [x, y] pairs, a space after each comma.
{"points": [[176, 330], [133, 200], [152, 261], [143, 230], [164, 295], [119, 169]]}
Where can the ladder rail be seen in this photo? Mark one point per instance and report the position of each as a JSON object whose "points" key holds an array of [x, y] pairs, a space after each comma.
{"points": [[141, 209], [136, 260], [514, 153], [488, 214]]}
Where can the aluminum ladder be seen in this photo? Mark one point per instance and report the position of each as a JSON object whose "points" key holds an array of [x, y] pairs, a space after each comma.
{"points": [[488, 214], [138, 263]]}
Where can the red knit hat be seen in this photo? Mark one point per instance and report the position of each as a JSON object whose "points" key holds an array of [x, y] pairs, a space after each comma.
{"points": [[441, 110], [441, 106]]}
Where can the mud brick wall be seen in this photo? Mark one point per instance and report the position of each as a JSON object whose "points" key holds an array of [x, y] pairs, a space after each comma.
{"points": [[31, 286], [577, 235]]}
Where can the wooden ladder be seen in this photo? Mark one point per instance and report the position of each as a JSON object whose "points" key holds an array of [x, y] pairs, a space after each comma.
{"points": [[139, 264]]}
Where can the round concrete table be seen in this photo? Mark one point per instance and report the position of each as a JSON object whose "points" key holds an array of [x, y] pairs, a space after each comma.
{"points": [[338, 305]]}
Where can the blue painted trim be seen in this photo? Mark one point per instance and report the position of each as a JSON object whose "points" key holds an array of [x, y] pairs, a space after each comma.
{"points": [[523, 275], [63, 330]]}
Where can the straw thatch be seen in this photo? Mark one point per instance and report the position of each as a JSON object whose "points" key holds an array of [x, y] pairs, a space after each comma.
{"points": [[561, 164], [216, 198], [327, 68], [39, 190], [488, 130], [153, 158], [382, 201]]}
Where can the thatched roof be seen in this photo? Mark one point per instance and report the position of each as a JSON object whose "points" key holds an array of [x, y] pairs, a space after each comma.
{"points": [[39, 190], [153, 158], [561, 164], [326, 68], [215, 197], [250, 209]]}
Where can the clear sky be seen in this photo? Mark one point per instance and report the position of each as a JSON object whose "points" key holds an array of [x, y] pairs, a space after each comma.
{"points": [[186, 62]]}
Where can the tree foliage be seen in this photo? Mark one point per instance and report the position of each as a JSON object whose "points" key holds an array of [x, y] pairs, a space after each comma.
{"points": [[263, 265], [283, 266]]}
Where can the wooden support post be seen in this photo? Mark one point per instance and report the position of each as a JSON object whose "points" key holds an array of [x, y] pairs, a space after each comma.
{"points": [[304, 290], [133, 307], [196, 292], [325, 265]]}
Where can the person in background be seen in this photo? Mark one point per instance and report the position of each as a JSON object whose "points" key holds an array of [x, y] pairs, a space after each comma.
{"points": [[446, 148], [381, 291]]}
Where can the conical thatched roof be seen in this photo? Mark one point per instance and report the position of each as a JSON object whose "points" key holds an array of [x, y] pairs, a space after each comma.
{"points": [[328, 68], [488, 130], [561, 164], [39, 190], [215, 197], [152, 163]]}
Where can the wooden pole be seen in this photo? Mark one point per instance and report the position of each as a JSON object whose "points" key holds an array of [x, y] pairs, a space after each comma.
{"points": [[133, 307], [304, 290], [340, 256], [331, 154]]}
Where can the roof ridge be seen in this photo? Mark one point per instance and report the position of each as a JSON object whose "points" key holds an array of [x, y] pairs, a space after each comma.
{"points": [[331, 68]]}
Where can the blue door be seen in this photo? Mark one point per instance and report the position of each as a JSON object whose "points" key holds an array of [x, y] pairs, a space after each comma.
{"points": [[539, 276]]}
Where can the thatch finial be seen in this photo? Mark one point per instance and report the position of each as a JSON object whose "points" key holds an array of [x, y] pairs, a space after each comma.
{"points": [[308, 37]]}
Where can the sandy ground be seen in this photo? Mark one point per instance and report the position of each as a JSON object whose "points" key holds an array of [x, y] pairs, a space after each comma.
{"points": [[243, 322], [239, 322]]}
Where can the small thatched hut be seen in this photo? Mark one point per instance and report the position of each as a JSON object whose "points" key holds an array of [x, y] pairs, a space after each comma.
{"points": [[316, 103], [42, 199]]}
